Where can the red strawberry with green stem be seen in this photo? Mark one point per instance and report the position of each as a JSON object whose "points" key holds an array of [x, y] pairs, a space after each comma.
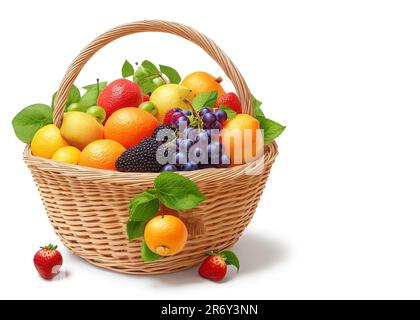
{"points": [[48, 261], [215, 266], [230, 100]]}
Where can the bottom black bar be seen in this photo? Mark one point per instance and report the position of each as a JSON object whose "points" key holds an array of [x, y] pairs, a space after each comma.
{"points": [[231, 309]]}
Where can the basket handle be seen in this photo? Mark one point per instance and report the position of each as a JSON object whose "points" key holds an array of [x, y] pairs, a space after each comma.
{"points": [[152, 26]]}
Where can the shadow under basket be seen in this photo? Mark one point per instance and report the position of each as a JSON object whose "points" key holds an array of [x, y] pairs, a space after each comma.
{"points": [[88, 208]]}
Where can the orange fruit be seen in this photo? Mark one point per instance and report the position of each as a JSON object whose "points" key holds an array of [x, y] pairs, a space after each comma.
{"points": [[201, 81], [165, 235], [129, 126], [243, 139], [101, 154]]}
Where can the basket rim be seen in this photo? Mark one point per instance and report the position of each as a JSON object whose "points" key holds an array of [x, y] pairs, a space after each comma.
{"points": [[93, 174], [174, 28]]}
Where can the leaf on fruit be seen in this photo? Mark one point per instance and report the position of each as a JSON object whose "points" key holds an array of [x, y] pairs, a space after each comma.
{"points": [[205, 99], [171, 73], [101, 85], [177, 192], [149, 66], [127, 69], [28, 121], [230, 113], [144, 207], [147, 254], [147, 85], [272, 129], [230, 258], [139, 75], [73, 96], [257, 107], [135, 229], [90, 98]]}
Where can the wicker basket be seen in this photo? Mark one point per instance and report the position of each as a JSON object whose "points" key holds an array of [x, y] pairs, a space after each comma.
{"points": [[88, 208]]}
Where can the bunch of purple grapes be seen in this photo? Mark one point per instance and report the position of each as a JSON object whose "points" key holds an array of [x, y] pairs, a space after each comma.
{"points": [[198, 147], [180, 118], [213, 119]]}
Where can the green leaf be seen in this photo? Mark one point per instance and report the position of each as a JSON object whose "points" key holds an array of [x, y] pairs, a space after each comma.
{"points": [[272, 129], [171, 73], [147, 254], [101, 85], [149, 66], [205, 99], [135, 229], [147, 85], [127, 69], [177, 192], [53, 100], [140, 74], [73, 96], [230, 113], [257, 107], [28, 121], [230, 258], [144, 206], [90, 98]]}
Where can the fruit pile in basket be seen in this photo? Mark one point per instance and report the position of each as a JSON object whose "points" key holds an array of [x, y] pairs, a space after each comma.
{"points": [[150, 120]]}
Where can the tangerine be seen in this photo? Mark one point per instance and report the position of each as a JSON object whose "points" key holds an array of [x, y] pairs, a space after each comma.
{"points": [[200, 81], [101, 154], [165, 235], [129, 126], [243, 139]]}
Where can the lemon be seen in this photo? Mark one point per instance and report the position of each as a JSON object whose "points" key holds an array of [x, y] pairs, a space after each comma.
{"points": [[67, 154], [80, 129], [46, 141], [170, 96]]}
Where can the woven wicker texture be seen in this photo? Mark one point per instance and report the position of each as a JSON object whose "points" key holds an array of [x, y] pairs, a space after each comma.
{"points": [[88, 208]]}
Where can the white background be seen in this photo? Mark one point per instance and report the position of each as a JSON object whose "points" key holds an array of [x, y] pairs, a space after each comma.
{"points": [[340, 216]]}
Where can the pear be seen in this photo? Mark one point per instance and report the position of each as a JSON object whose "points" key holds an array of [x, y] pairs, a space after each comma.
{"points": [[170, 96], [79, 129]]}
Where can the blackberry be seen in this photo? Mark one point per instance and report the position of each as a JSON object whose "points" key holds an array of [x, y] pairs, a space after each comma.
{"points": [[140, 158], [166, 132]]}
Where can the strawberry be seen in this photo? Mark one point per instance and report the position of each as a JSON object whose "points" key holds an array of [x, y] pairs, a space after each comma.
{"points": [[230, 100], [146, 98], [215, 266], [48, 261]]}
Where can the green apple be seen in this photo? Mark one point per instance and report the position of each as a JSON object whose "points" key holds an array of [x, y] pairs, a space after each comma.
{"points": [[76, 106], [98, 112], [170, 96], [149, 107]]}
